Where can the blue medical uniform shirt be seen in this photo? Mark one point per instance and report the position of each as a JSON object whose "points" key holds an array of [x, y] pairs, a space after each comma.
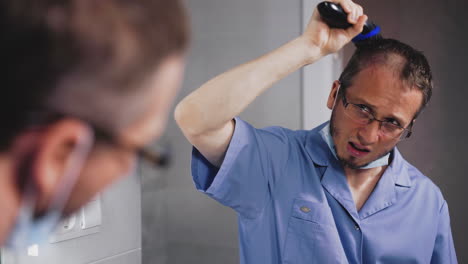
{"points": [[295, 206]]}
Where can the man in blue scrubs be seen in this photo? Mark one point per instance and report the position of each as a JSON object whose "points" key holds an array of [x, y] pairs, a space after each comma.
{"points": [[340, 193]]}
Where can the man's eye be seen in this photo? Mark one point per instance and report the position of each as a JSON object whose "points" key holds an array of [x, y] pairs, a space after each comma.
{"points": [[393, 122], [364, 108]]}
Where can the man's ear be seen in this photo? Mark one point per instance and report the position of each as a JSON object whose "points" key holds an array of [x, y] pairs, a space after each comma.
{"points": [[333, 94], [53, 156]]}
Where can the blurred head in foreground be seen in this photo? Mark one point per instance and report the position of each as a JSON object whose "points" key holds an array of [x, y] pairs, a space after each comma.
{"points": [[85, 84]]}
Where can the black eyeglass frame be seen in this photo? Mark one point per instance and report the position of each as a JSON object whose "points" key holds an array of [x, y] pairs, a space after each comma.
{"points": [[157, 158]]}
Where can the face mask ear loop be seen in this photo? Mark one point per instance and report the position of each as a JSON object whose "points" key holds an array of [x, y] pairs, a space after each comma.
{"points": [[71, 174]]}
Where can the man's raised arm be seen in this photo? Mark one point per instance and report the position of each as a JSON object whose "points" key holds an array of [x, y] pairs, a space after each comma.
{"points": [[206, 115]]}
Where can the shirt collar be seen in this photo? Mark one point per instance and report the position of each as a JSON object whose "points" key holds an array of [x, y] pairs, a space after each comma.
{"points": [[317, 148], [398, 168]]}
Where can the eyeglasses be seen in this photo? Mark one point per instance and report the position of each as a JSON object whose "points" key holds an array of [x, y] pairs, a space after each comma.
{"points": [[361, 114], [157, 157]]}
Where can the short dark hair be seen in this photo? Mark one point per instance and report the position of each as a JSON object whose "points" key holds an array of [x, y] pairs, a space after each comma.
{"points": [[98, 48], [414, 70]]}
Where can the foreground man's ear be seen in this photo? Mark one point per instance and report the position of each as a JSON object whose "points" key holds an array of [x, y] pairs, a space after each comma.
{"points": [[54, 154]]}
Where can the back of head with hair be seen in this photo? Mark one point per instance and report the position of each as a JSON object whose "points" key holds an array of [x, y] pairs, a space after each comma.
{"points": [[412, 65], [85, 58]]}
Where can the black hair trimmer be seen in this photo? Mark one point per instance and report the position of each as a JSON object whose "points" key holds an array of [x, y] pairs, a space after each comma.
{"points": [[335, 17]]}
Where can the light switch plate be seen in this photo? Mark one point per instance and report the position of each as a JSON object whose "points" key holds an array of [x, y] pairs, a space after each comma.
{"points": [[85, 222], [91, 215]]}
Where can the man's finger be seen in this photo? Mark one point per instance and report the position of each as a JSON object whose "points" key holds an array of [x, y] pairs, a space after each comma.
{"points": [[346, 5], [353, 10], [357, 28]]}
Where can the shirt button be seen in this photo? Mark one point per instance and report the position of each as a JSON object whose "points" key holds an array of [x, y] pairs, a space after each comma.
{"points": [[305, 209], [357, 227]]}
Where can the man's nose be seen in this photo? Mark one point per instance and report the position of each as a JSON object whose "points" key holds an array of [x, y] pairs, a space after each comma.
{"points": [[369, 134]]}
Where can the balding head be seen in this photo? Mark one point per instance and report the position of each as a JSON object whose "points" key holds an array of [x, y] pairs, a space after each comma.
{"points": [[409, 65]]}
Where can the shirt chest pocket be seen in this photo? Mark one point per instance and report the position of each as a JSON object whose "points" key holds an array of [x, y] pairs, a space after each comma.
{"points": [[311, 235]]}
